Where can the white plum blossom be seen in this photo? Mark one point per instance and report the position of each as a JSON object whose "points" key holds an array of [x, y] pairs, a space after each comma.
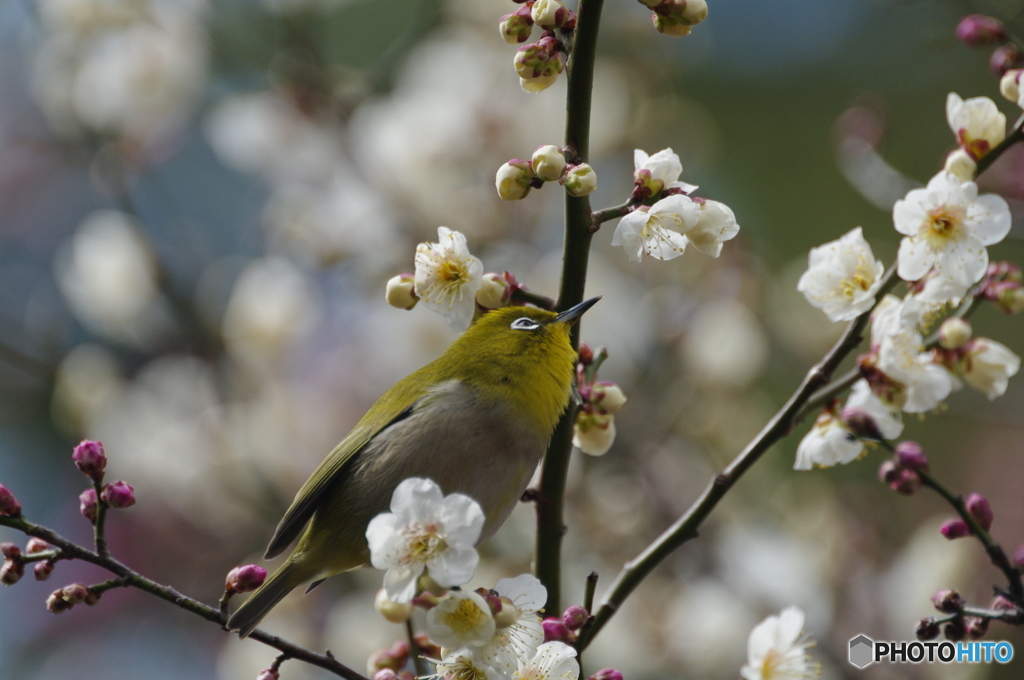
{"points": [[935, 291], [777, 649], [947, 226], [716, 224], [593, 433], [425, 530], [659, 172], [461, 665], [827, 443], [658, 230], [961, 165], [460, 619], [899, 354], [863, 401], [987, 366], [842, 277], [448, 277], [553, 661], [519, 631], [978, 124]]}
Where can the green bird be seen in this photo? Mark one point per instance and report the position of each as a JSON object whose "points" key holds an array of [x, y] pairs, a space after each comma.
{"points": [[476, 420]]}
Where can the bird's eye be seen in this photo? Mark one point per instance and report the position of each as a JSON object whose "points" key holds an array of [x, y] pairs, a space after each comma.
{"points": [[524, 323]]}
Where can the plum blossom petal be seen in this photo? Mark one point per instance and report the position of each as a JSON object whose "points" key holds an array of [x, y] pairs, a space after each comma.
{"points": [[658, 230], [777, 649], [987, 366], [716, 224], [842, 277], [448, 277]]}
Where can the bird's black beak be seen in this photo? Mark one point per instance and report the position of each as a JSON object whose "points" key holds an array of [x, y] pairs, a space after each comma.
{"points": [[573, 313]]}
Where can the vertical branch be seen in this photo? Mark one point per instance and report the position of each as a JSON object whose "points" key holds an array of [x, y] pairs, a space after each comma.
{"points": [[551, 497]]}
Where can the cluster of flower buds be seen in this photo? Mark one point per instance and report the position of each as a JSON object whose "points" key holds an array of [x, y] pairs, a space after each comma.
{"points": [[243, 579], [1003, 286], [979, 508], [67, 597], [91, 461], [959, 627], [548, 14], [978, 30], [900, 472], [566, 627], [539, 64], [515, 178], [594, 430], [676, 17], [9, 505], [13, 567]]}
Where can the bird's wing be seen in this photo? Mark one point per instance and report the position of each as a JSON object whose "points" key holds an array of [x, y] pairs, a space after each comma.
{"points": [[309, 496]]}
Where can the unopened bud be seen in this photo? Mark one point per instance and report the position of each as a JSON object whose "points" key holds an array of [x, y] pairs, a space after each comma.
{"points": [[55, 603], [516, 27], [513, 180], [911, 456], [927, 629], [1001, 602], [11, 572], [393, 612], [88, 503], [494, 291], [427, 648], [668, 26], [978, 30], [555, 630], [118, 495], [1009, 297], [889, 471], [400, 291], [92, 598], [548, 13], [906, 482], [1009, 84], [955, 528], [36, 545], [976, 627], [245, 578], [385, 674], [980, 510], [954, 333], [608, 397], [606, 674], [961, 165], [429, 585], [548, 162], [580, 180], [269, 673], [10, 551], [861, 423], [593, 433], [75, 593], [586, 354], [90, 458], [9, 505], [948, 601], [538, 64], [42, 570], [507, 615], [1004, 58], [956, 630], [574, 617]]}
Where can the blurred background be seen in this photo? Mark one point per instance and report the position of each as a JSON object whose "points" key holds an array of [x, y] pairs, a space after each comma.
{"points": [[201, 201]]}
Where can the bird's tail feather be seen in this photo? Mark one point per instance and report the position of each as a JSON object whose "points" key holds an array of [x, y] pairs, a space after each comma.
{"points": [[284, 580]]}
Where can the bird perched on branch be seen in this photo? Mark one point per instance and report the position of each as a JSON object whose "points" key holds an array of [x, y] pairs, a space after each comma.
{"points": [[477, 420]]}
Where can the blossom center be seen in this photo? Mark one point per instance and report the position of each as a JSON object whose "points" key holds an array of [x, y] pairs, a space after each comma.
{"points": [[858, 282], [467, 617], [423, 542], [944, 222], [464, 669]]}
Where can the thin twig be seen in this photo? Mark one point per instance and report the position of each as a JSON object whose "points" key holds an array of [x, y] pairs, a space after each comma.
{"points": [[535, 299], [415, 653], [99, 537], [133, 579]]}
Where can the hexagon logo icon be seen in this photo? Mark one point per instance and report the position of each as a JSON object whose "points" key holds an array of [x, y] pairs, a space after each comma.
{"points": [[862, 651]]}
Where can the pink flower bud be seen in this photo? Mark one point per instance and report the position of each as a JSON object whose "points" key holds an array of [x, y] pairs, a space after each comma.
{"points": [[399, 653], [90, 458], [955, 528], [956, 630], [586, 354], [948, 601], [555, 631], [606, 674], [906, 482], [11, 572], [517, 26], [889, 472], [927, 629], [92, 598], [909, 455], [55, 603], [36, 545], [385, 674], [574, 617], [1001, 602], [980, 510], [978, 30], [976, 627], [42, 570], [10, 551], [118, 495], [1004, 58], [245, 578], [9, 505], [88, 504], [75, 593], [270, 673]]}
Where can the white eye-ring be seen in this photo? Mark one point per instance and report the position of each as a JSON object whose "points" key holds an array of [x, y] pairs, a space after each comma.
{"points": [[524, 323]]}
